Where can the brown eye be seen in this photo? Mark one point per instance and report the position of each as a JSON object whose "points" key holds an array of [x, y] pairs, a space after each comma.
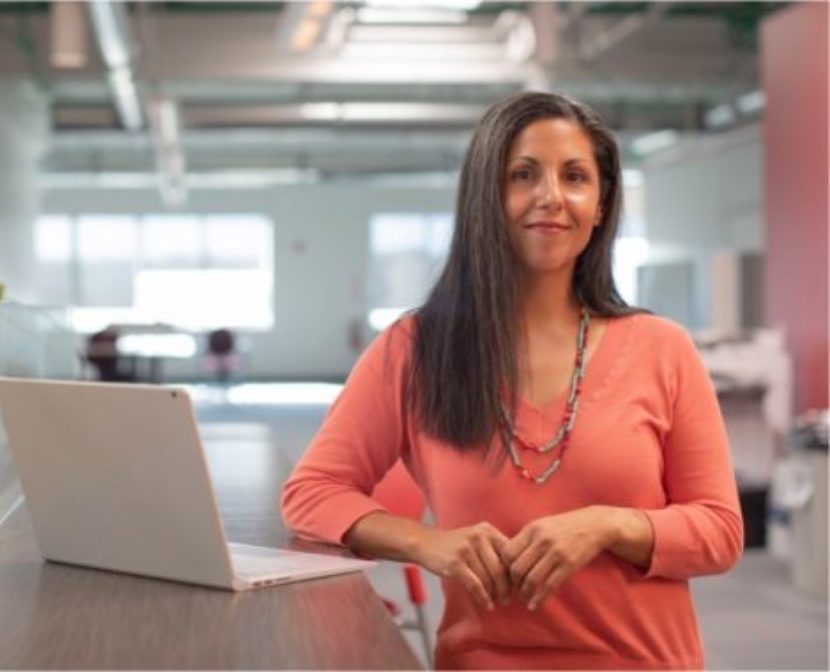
{"points": [[520, 175]]}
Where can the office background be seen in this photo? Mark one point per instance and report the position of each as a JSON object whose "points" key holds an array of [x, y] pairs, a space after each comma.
{"points": [[287, 171]]}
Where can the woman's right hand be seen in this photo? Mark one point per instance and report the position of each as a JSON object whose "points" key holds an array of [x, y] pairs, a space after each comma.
{"points": [[470, 555]]}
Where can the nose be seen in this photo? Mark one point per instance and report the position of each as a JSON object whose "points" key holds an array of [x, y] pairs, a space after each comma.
{"points": [[549, 190]]}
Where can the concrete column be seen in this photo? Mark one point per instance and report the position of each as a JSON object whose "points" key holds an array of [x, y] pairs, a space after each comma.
{"points": [[24, 132]]}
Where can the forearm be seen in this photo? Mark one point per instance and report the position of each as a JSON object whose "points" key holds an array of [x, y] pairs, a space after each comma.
{"points": [[631, 536], [385, 536]]}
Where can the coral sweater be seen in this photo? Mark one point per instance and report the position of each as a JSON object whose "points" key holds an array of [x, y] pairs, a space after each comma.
{"points": [[649, 435]]}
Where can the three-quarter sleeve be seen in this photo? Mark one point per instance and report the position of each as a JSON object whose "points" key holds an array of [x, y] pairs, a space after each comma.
{"points": [[361, 438], [700, 531]]}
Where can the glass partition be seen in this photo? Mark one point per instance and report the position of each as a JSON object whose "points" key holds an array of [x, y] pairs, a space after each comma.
{"points": [[35, 342]]}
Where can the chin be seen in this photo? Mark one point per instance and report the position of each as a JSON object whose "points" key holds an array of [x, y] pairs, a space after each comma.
{"points": [[548, 268]]}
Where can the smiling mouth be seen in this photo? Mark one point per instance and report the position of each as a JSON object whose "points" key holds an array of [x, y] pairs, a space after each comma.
{"points": [[548, 227]]}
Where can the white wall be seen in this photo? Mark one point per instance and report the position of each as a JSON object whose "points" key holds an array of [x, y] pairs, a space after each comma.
{"points": [[704, 208], [319, 288], [706, 194]]}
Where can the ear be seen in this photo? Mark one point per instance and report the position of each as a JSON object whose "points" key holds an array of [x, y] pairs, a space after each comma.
{"points": [[598, 221]]}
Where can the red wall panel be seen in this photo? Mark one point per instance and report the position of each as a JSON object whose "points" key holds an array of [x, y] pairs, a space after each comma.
{"points": [[794, 70]]}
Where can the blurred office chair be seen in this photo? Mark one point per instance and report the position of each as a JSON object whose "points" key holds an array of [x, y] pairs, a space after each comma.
{"points": [[221, 357], [102, 353], [402, 497]]}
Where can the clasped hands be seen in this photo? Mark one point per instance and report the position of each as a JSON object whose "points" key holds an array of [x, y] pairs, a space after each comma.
{"points": [[495, 569]]}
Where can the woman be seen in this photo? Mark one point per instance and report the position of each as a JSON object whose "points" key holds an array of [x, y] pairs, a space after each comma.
{"points": [[570, 447]]}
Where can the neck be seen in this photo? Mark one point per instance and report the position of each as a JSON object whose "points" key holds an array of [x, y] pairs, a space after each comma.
{"points": [[549, 304]]}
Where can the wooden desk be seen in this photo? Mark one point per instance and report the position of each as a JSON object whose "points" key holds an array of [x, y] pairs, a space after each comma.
{"points": [[58, 616]]}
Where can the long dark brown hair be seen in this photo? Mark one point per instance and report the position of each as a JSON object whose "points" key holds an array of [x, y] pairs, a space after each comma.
{"points": [[464, 348]]}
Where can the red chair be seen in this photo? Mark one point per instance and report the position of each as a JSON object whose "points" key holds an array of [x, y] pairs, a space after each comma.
{"points": [[402, 497]]}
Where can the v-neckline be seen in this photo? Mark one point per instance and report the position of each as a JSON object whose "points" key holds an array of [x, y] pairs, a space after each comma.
{"points": [[592, 363]]}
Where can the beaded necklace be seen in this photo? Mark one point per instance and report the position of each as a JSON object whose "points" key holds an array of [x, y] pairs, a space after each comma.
{"points": [[560, 439]]}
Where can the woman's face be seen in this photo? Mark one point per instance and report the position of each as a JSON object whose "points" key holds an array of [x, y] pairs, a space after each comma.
{"points": [[551, 195]]}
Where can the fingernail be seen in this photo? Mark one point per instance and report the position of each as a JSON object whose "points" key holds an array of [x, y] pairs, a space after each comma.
{"points": [[490, 606], [531, 606]]}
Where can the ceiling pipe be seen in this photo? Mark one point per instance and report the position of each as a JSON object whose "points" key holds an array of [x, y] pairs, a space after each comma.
{"points": [[111, 31], [592, 48], [165, 132]]}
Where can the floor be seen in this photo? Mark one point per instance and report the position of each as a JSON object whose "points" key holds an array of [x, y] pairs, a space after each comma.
{"points": [[752, 618]]}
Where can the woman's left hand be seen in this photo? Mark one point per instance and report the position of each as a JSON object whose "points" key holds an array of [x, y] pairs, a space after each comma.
{"points": [[548, 550]]}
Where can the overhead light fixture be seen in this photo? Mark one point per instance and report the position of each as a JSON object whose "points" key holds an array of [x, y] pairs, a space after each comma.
{"points": [[653, 142], [372, 112], [420, 52], [520, 44], [166, 137], [338, 27], [219, 179], [321, 111], [395, 15], [750, 103], [465, 5], [719, 116]]}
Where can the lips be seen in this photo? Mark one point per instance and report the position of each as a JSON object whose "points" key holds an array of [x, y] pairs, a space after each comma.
{"points": [[548, 227]]}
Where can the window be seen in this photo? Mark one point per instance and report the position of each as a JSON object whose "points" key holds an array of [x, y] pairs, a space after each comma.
{"points": [[406, 254], [190, 271]]}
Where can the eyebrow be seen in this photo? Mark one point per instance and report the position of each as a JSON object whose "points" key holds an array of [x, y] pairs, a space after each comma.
{"points": [[568, 163]]}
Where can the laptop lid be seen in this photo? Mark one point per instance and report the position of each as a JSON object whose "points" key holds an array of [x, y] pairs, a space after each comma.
{"points": [[115, 477]]}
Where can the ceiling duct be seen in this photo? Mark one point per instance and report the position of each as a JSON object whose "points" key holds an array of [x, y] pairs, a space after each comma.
{"points": [[112, 36]]}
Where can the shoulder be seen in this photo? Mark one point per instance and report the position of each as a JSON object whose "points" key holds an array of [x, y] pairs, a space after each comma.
{"points": [[657, 344], [390, 350], [656, 332], [398, 336]]}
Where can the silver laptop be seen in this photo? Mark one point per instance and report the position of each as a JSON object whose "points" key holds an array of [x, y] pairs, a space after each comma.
{"points": [[115, 477]]}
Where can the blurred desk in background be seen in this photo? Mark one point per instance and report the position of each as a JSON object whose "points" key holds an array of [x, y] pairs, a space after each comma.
{"points": [[149, 351], [140, 357]]}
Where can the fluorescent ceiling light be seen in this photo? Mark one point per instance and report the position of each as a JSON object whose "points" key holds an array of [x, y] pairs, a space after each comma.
{"points": [[251, 179], [466, 5], [521, 36], [164, 121], [751, 102], [406, 15], [719, 116], [321, 111], [390, 112], [220, 179], [653, 142], [386, 52]]}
